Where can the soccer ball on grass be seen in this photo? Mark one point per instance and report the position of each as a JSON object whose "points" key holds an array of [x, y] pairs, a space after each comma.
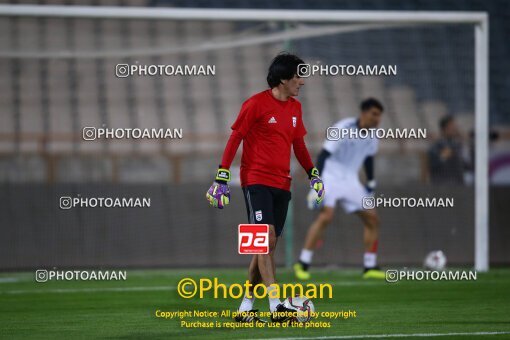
{"points": [[435, 260], [303, 306]]}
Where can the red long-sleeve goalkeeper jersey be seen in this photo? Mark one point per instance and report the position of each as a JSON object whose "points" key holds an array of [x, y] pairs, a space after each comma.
{"points": [[268, 128]]}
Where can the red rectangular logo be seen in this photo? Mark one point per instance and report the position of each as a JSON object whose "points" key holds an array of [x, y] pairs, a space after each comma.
{"points": [[253, 239]]}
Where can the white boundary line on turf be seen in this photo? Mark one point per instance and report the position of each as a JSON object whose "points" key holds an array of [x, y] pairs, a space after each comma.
{"points": [[141, 289], [368, 336], [88, 290]]}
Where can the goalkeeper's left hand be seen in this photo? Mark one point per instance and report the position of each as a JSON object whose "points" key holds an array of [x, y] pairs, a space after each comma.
{"points": [[311, 200], [317, 185]]}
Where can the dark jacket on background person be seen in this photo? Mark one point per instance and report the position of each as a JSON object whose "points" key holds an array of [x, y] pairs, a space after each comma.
{"points": [[446, 170]]}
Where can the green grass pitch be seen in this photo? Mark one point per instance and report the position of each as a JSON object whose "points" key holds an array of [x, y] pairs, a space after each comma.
{"points": [[126, 309]]}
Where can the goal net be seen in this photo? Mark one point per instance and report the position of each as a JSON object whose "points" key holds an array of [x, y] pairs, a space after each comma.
{"points": [[127, 72]]}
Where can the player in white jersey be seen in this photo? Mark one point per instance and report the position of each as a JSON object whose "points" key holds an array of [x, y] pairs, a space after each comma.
{"points": [[339, 162]]}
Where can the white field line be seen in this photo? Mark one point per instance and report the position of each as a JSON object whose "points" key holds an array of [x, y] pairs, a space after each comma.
{"points": [[146, 288], [88, 290], [378, 336]]}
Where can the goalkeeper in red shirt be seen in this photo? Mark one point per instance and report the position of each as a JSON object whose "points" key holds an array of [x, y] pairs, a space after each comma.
{"points": [[269, 124]]}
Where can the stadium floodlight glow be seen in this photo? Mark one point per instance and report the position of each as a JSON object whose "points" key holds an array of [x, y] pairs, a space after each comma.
{"points": [[480, 20]]}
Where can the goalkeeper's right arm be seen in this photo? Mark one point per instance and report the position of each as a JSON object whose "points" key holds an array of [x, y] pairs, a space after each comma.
{"points": [[231, 149], [218, 194]]}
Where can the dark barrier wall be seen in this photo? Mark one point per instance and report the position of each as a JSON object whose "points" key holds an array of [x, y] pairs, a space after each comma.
{"points": [[181, 230]]}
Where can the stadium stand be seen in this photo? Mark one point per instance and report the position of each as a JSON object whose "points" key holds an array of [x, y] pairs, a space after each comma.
{"points": [[47, 101]]}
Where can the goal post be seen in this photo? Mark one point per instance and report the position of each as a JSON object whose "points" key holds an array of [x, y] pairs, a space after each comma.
{"points": [[482, 143], [479, 20]]}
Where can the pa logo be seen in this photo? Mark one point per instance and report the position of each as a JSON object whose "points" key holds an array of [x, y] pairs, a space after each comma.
{"points": [[258, 215], [253, 239]]}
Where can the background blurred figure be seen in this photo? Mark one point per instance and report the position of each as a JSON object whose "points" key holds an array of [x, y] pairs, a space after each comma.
{"points": [[446, 163]]}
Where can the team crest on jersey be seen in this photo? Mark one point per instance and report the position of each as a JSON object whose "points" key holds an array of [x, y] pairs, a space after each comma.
{"points": [[258, 215], [294, 121], [272, 120]]}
